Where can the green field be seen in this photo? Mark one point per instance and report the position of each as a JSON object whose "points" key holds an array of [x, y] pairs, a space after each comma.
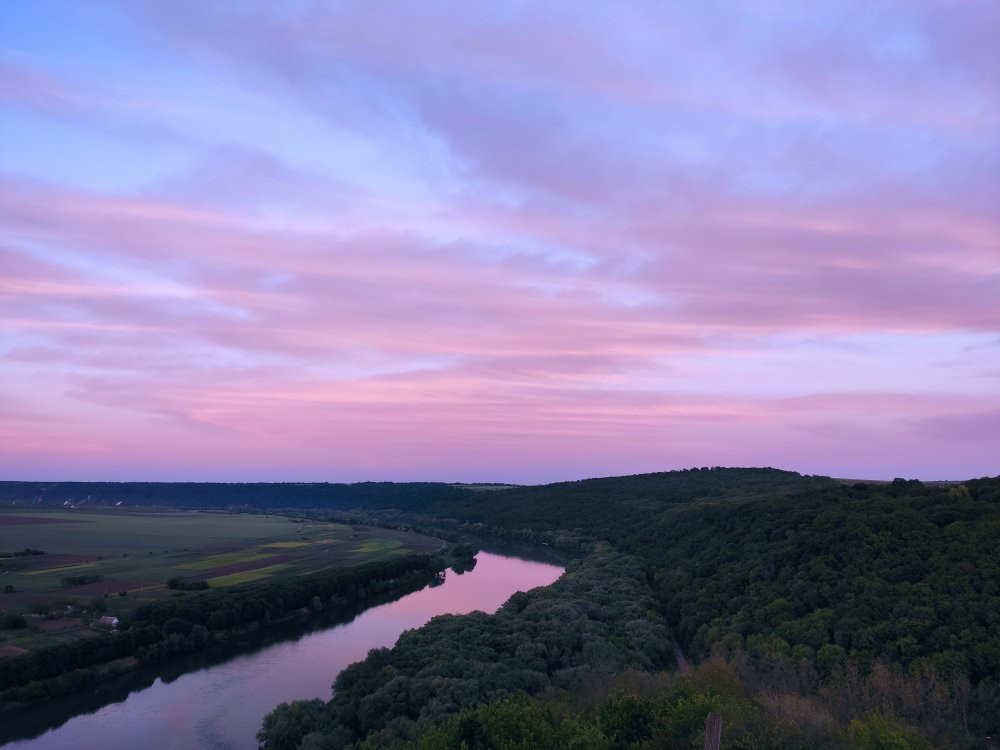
{"points": [[246, 576], [227, 558], [137, 552]]}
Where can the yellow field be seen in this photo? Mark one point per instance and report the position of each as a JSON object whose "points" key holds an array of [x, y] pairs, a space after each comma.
{"points": [[285, 545], [228, 558], [61, 568], [245, 576], [380, 546]]}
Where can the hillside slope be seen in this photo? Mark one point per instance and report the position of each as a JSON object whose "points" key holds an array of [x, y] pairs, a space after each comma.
{"points": [[862, 600]]}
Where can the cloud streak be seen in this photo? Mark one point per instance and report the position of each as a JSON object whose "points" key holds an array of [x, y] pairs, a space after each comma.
{"points": [[466, 242]]}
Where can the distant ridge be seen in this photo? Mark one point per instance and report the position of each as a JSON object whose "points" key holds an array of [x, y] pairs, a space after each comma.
{"points": [[461, 499], [235, 495]]}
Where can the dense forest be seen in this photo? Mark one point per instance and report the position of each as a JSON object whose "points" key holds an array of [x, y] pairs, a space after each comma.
{"points": [[593, 621], [820, 614]]}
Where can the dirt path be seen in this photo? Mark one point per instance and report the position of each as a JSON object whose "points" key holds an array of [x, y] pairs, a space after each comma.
{"points": [[682, 663]]}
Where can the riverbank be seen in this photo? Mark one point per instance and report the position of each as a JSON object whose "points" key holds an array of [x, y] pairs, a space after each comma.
{"points": [[225, 692], [168, 628]]}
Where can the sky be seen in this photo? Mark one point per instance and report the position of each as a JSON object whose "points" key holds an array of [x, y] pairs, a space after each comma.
{"points": [[498, 241]]}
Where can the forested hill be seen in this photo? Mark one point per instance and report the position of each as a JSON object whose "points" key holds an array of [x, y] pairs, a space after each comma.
{"points": [[823, 614], [774, 563], [602, 505], [413, 496]]}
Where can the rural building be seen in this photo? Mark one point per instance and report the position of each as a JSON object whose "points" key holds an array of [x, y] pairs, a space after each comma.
{"points": [[108, 622]]}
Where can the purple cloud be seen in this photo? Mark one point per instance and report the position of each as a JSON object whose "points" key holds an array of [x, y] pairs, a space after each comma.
{"points": [[463, 241]]}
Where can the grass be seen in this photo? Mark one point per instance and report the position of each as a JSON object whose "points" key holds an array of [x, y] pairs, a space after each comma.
{"points": [[60, 569], [115, 533], [137, 551], [380, 547], [245, 576], [228, 558]]}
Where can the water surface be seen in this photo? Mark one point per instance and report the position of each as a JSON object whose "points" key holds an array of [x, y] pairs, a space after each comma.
{"points": [[220, 707]]}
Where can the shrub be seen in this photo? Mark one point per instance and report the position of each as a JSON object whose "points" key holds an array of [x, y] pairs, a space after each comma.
{"points": [[12, 622]]}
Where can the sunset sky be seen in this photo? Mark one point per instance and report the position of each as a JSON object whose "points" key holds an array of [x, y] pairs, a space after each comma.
{"points": [[502, 241]]}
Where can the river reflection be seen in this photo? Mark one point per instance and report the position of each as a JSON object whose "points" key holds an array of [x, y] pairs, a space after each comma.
{"points": [[220, 707]]}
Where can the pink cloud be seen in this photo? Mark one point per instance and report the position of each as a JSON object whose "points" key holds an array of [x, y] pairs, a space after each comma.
{"points": [[22, 85], [979, 428], [517, 243]]}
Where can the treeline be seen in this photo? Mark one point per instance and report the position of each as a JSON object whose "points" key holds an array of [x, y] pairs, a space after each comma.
{"points": [[661, 712], [81, 580], [851, 601], [218, 495], [178, 583], [815, 579], [620, 505], [64, 667], [179, 625], [262, 602], [594, 620], [897, 571]]}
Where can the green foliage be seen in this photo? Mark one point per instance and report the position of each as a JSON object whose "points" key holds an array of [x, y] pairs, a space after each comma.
{"points": [[801, 574], [878, 732], [626, 719], [590, 622], [12, 622], [673, 720], [169, 627], [50, 671], [285, 727], [514, 723], [845, 602], [186, 584], [81, 580]]}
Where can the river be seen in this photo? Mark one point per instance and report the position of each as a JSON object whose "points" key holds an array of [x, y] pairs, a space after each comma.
{"points": [[220, 706]]}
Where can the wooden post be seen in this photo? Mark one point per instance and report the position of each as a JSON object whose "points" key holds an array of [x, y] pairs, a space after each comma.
{"points": [[713, 731]]}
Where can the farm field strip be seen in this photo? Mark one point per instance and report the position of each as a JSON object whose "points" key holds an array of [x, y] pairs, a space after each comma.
{"points": [[113, 533], [25, 520], [380, 546], [246, 576], [228, 558], [133, 554], [60, 569]]}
